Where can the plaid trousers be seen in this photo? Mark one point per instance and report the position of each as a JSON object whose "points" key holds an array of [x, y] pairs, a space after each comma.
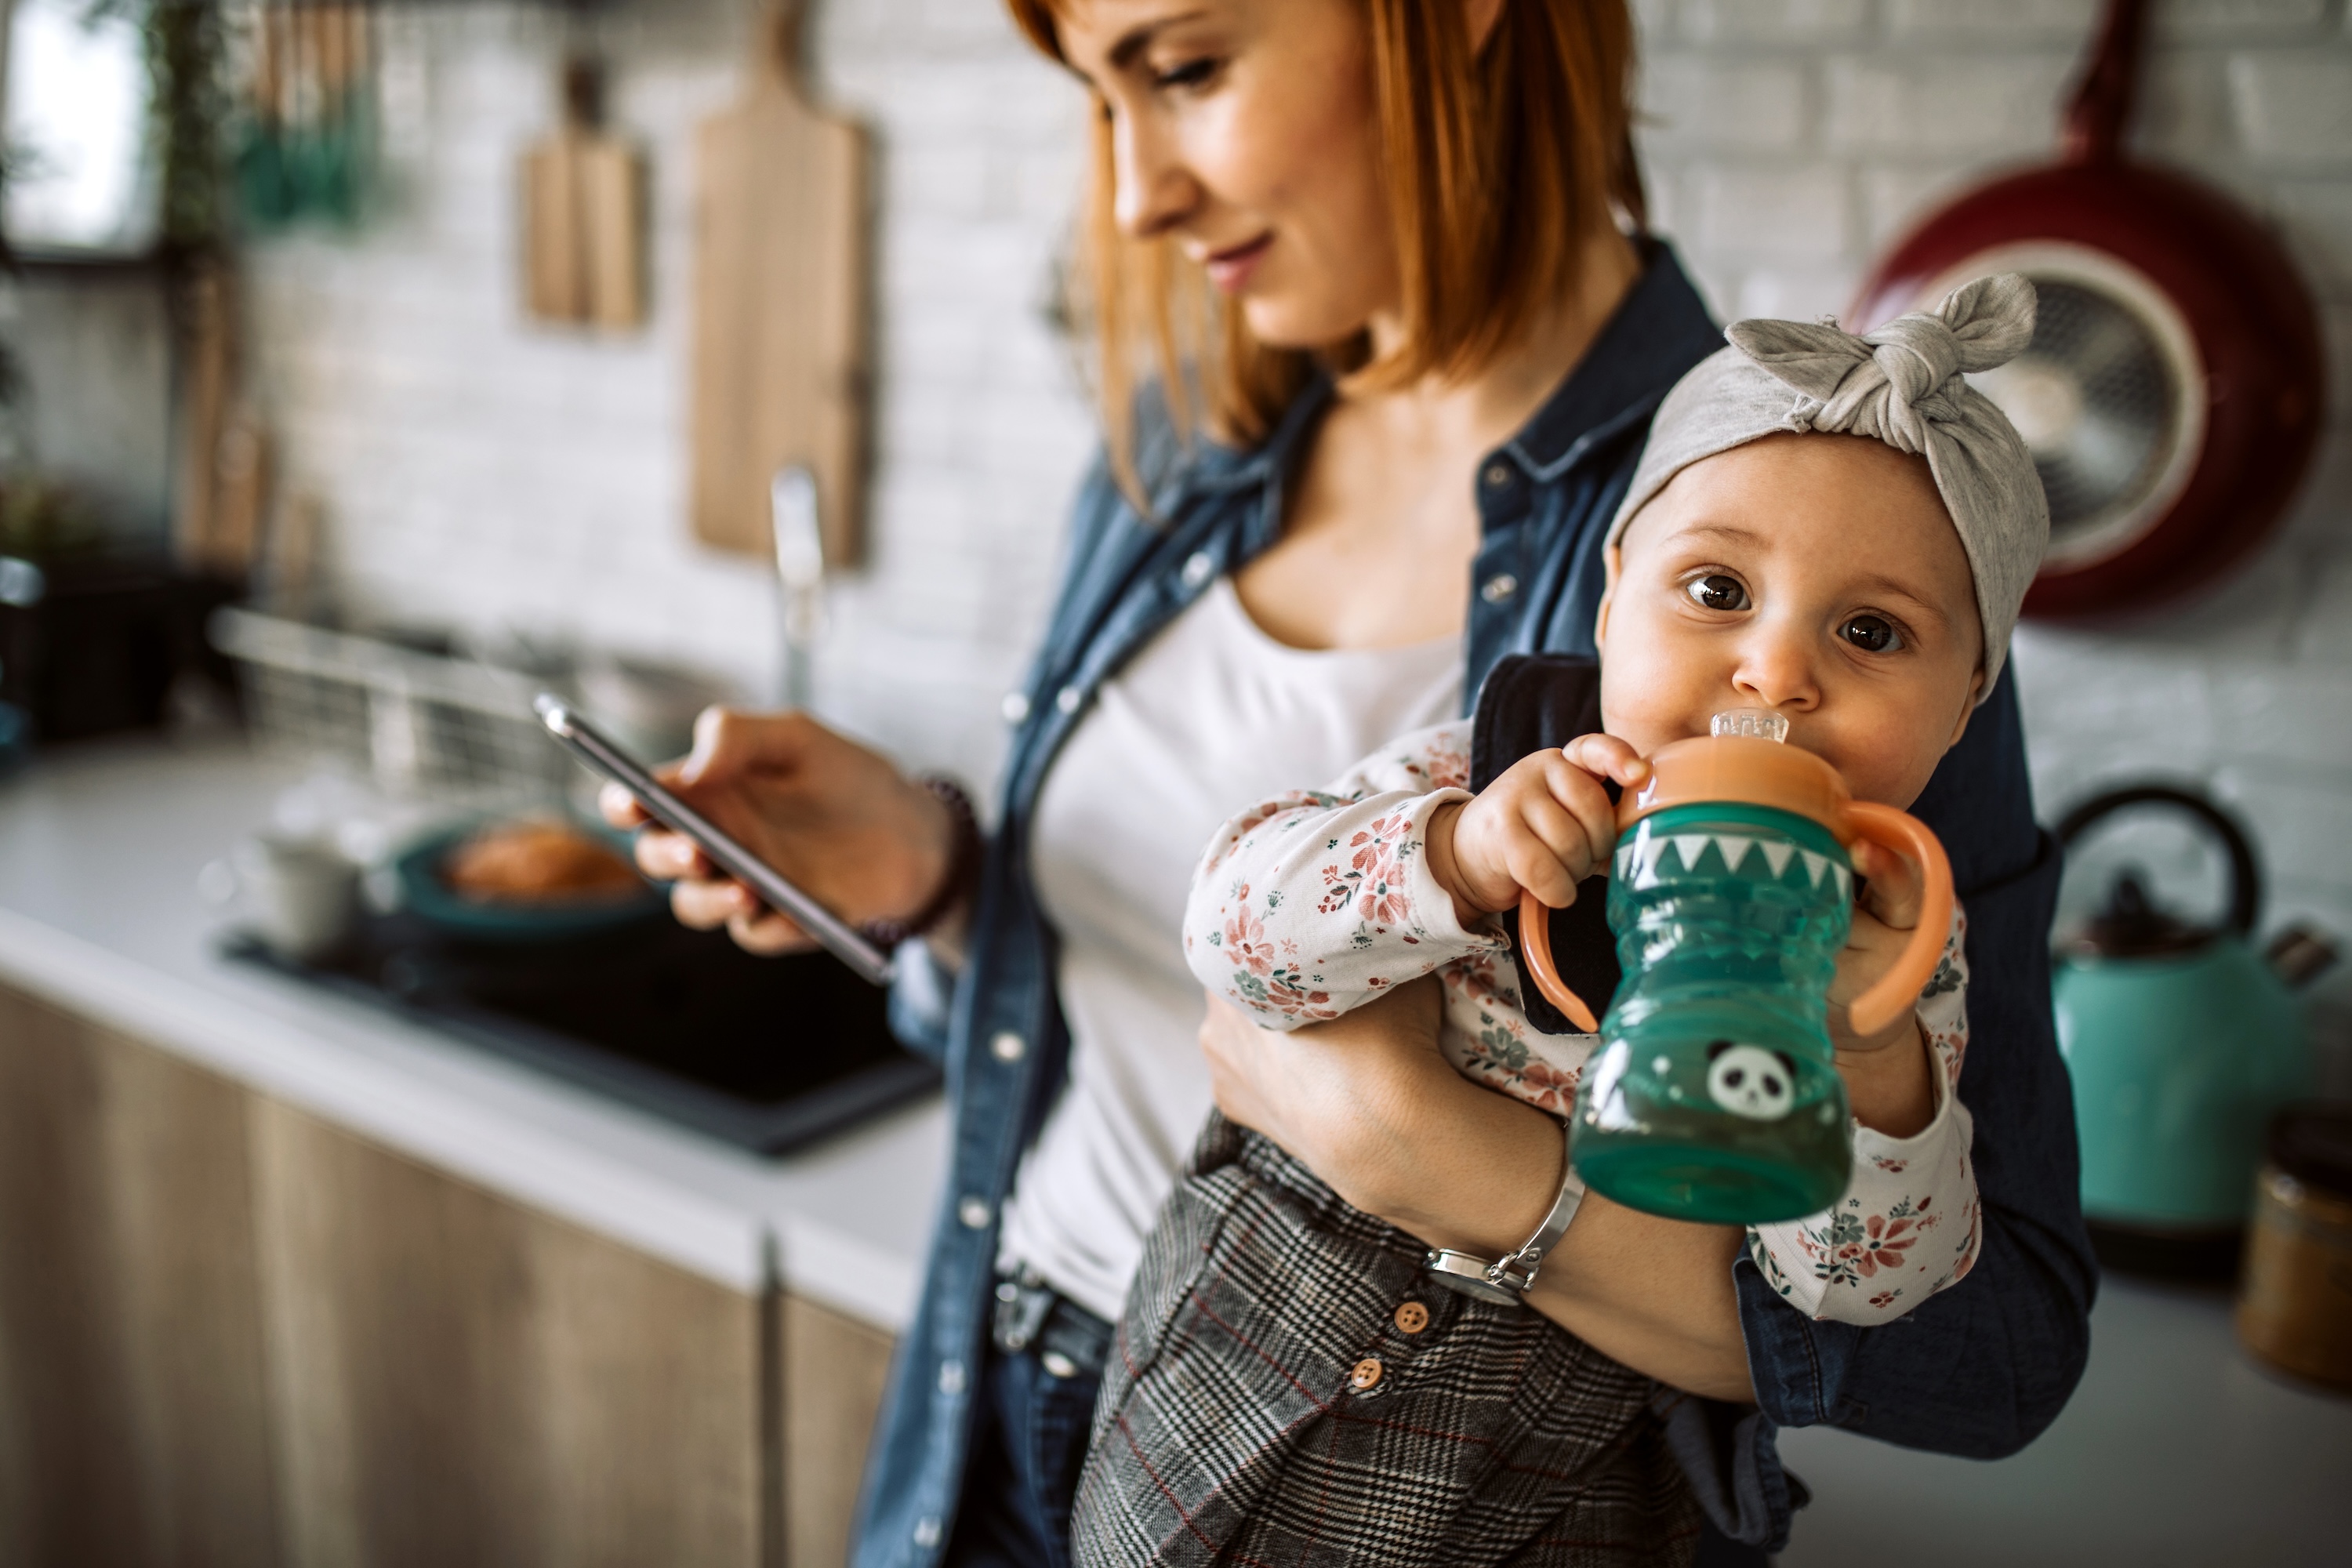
{"points": [[1287, 1387]]}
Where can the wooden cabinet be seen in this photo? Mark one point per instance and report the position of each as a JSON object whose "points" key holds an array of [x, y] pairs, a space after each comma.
{"points": [[233, 1334]]}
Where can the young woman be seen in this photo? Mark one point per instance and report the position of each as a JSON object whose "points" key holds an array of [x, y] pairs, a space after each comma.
{"points": [[1389, 252]]}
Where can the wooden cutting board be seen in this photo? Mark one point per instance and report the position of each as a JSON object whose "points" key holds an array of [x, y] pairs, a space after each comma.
{"points": [[583, 217], [780, 344]]}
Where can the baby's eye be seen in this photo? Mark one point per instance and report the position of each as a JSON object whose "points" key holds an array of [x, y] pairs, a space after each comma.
{"points": [[1872, 634], [1717, 591]]}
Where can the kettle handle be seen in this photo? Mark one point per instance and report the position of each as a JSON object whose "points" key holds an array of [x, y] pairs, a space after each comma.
{"points": [[2245, 875], [1535, 943], [1899, 989]]}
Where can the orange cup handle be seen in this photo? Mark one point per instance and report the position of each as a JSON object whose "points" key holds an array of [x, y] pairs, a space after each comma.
{"points": [[1535, 942], [1897, 991]]}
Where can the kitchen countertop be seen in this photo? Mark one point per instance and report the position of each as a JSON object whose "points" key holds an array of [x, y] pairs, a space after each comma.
{"points": [[2177, 1449], [100, 845]]}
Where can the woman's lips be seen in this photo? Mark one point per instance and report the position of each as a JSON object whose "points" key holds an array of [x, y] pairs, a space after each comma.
{"points": [[1229, 269]]}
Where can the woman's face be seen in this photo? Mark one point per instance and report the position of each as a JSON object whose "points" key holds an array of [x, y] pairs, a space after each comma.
{"points": [[1244, 132]]}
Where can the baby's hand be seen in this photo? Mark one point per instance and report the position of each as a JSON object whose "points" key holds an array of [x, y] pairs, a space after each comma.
{"points": [[1889, 1088], [1884, 918], [1542, 826]]}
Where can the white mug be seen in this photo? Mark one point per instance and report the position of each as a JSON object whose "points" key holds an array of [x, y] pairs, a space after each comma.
{"points": [[300, 896]]}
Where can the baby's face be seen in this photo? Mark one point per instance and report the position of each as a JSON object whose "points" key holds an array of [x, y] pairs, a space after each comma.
{"points": [[1816, 575]]}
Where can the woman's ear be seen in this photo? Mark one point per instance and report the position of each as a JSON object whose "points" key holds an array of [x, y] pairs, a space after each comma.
{"points": [[1482, 16]]}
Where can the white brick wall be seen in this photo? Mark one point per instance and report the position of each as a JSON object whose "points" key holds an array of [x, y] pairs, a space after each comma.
{"points": [[482, 469]]}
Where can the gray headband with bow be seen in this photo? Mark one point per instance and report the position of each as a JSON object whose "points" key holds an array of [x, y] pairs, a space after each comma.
{"points": [[1901, 384]]}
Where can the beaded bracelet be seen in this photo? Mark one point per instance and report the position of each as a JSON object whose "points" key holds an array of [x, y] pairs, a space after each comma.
{"points": [[962, 874]]}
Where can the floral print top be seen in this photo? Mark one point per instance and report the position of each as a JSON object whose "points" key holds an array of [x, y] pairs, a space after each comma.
{"points": [[1312, 903]]}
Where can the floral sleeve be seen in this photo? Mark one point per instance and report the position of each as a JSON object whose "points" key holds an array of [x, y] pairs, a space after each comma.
{"points": [[1311, 903], [1910, 1224]]}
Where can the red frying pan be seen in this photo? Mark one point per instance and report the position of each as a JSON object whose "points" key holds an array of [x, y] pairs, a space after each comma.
{"points": [[2172, 392]]}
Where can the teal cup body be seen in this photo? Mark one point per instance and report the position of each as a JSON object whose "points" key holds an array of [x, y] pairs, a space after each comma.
{"points": [[1714, 1096]]}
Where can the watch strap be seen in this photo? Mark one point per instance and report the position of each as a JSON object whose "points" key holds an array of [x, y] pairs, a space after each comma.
{"points": [[1506, 1278]]}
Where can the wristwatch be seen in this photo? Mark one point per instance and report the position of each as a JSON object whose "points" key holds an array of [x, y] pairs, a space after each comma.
{"points": [[1505, 1280]]}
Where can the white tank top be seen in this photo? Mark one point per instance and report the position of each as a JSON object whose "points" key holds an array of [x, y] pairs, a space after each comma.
{"points": [[1212, 715]]}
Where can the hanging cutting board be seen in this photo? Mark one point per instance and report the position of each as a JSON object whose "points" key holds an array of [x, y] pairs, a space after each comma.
{"points": [[780, 306], [583, 217]]}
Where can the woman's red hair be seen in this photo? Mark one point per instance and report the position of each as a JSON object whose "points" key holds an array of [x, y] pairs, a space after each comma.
{"points": [[1500, 162]]}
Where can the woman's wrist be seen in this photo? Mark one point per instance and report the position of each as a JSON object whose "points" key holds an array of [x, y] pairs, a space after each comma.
{"points": [[1452, 1164], [957, 849]]}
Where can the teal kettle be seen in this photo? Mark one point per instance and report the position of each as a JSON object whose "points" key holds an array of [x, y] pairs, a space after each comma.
{"points": [[2181, 1040]]}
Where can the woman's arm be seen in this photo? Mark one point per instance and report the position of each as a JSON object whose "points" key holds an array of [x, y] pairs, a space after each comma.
{"points": [[1372, 1109]]}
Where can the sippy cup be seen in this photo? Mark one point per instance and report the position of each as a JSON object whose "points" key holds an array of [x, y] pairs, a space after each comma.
{"points": [[1714, 1096]]}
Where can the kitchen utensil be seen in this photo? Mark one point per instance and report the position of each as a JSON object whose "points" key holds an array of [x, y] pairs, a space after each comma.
{"points": [[1715, 1096], [583, 201], [829, 931], [425, 892], [307, 138], [781, 363], [800, 575], [299, 895], [2295, 1300], [2172, 392], [2181, 1041]]}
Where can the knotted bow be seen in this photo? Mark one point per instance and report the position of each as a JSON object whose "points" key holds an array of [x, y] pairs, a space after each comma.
{"points": [[1898, 383]]}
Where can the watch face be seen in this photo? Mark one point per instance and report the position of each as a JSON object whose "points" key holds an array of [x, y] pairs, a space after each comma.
{"points": [[1465, 1275]]}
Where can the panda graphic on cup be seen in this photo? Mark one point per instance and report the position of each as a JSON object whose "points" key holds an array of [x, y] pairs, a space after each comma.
{"points": [[1750, 1081]]}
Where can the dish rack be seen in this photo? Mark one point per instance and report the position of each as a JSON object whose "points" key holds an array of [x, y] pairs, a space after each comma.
{"points": [[420, 727]]}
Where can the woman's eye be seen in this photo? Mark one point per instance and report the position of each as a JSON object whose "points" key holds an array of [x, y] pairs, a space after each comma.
{"points": [[1191, 73], [1872, 634], [1717, 591]]}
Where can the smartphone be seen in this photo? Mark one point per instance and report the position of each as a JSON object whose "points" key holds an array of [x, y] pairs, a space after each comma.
{"points": [[592, 746]]}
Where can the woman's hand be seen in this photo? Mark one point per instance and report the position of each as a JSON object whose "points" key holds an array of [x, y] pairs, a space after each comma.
{"points": [[834, 817], [1887, 1074], [1372, 1107]]}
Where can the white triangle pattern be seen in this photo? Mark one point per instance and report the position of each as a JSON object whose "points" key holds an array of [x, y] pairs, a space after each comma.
{"points": [[1638, 861]]}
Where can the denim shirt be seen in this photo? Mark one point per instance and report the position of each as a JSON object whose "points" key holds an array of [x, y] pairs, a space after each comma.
{"points": [[1978, 1369]]}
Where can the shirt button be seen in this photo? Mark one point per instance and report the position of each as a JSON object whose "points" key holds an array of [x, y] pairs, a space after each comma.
{"points": [[1366, 1375], [1198, 569], [1007, 1046], [1411, 1317], [927, 1530], [1498, 475], [1069, 698], [952, 1377], [1499, 587], [1016, 707], [974, 1212]]}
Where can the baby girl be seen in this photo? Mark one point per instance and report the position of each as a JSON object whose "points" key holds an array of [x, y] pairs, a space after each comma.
{"points": [[1838, 532]]}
